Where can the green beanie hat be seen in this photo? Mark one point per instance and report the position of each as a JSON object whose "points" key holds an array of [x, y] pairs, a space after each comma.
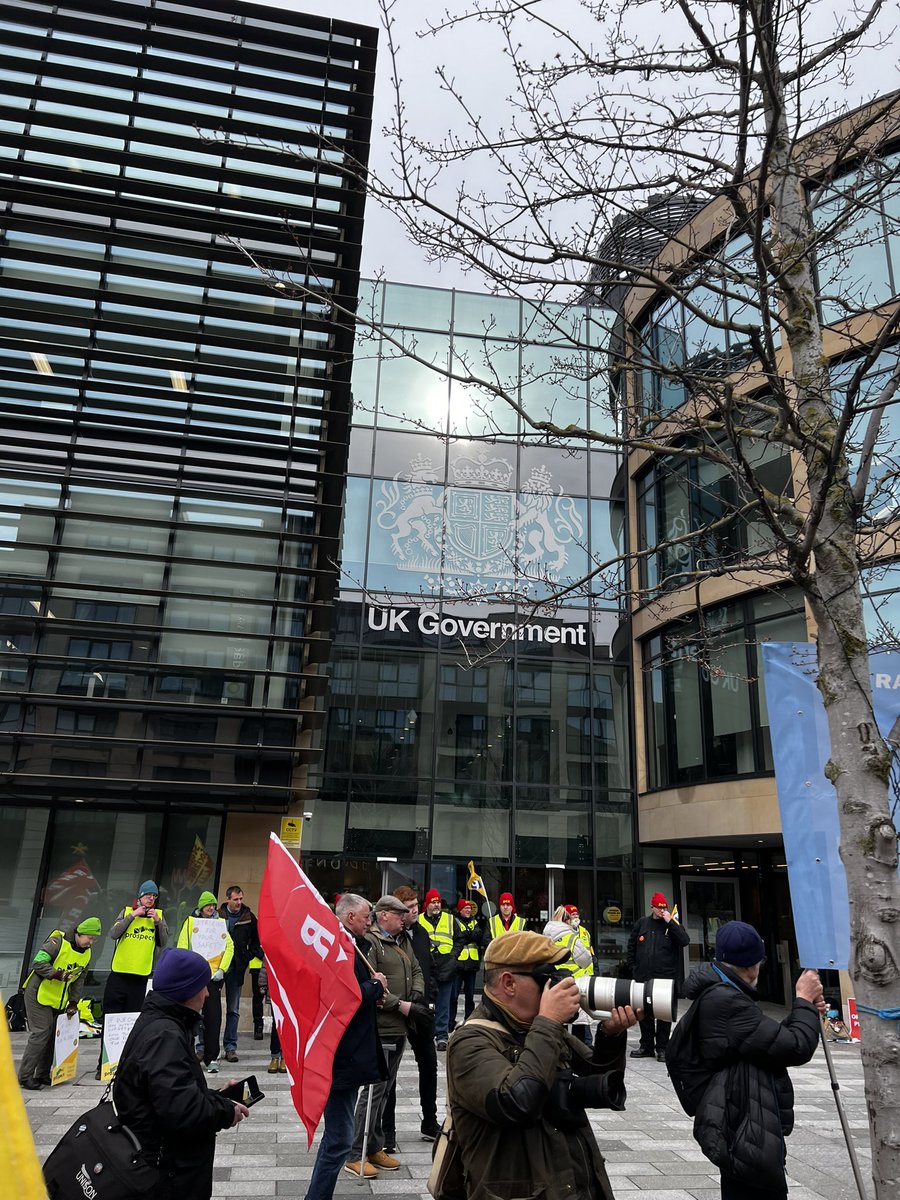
{"points": [[90, 925], [207, 898]]}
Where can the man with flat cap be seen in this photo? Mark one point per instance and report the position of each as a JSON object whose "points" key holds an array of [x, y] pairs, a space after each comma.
{"points": [[160, 1091], [518, 1084]]}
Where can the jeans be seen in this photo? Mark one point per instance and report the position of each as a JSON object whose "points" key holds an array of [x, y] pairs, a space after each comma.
{"points": [[234, 982], [442, 1009], [335, 1145], [393, 1051], [463, 985]]}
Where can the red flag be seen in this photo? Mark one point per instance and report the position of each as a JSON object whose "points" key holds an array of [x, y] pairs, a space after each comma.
{"points": [[312, 985]]}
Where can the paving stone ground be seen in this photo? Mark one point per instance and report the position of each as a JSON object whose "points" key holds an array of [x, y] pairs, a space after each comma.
{"points": [[649, 1150]]}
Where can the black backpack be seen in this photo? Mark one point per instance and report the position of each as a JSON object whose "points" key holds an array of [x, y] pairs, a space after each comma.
{"points": [[688, 1074], [16, 1020]]}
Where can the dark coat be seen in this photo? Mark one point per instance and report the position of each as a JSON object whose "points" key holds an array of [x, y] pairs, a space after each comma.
{"points": [[468, 934], [160, 1093], [654, 949], [418, 941], [245, 934], [747, 1108], [359, 1058]]}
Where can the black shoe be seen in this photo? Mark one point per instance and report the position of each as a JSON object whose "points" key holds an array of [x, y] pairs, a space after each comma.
{"points": [[642, 1053], [31, 1086], [391, 1147], [660, 1056], [45, 1081], [257, 1033], [429, 1130], [442, 1044]]}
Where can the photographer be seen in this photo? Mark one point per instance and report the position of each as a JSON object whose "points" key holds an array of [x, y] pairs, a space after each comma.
{"points": [[518, 1084]]}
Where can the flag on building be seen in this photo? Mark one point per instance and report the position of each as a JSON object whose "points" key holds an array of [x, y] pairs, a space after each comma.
{"points": [[312, 985], [475, 883], [200, 865]]}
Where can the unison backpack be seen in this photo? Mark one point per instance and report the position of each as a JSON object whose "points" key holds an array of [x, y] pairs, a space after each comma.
{"points": [[688, 1074]]}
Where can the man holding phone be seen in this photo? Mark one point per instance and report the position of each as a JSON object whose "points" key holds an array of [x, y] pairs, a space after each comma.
{"points": [[160, 1091]]}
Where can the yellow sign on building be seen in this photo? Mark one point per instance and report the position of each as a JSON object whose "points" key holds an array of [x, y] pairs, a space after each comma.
{"points": [[291, 832]]}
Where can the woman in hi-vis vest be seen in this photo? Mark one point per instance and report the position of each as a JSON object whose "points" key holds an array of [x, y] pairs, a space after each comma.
{"points": [[206, 933], [53, 986]]}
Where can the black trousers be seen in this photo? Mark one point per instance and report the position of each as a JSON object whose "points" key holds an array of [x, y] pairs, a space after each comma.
{"points": [[123, 993], [211, 1018], [426, 1060], [257, 998], [736, 1189], [653, 1030]]}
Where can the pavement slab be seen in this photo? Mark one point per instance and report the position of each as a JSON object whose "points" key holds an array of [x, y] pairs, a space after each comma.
{"points": [[650, 1152]]}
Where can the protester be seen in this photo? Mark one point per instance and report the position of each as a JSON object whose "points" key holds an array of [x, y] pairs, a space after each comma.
{"points": [[505, 921], [439, 925], [139, 932], [470, 941], [416, 942], [655, 952], [401, 1007], [562, 931], [744, 1116], [193, 935], [53, 986], [518, 1084], [276, 1062], [257, 997], [159, 1089], [244, 932], [358, 1059]]}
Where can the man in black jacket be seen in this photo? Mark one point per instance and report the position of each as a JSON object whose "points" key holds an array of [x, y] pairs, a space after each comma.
{"points": [[416, 941], [160, 1091], [358, 1059], [747, 1109], [655, 952], [244, 933]]}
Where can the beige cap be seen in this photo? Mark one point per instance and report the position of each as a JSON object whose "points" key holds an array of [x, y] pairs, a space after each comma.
{"points": [[523, 951]]}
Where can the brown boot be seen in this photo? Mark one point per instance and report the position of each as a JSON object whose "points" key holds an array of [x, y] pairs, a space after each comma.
{"points": [[282, 1069], [273, 1065]]}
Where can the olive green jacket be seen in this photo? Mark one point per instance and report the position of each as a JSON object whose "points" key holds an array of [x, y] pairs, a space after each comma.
{"points": [[499, 1092], [404, 975]]}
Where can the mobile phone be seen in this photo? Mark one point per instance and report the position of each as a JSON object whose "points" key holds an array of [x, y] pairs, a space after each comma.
{"points": [[245, 1091]]}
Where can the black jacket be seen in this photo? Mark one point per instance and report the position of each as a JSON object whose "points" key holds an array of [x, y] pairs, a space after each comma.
{"points": [[160, 1093], [747, 1108], [245, 935], [359, 1058], [468, 934], [420, 942], [654, 949]]}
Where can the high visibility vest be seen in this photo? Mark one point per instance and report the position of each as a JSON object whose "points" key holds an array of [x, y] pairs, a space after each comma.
{"points": [[565, 940], [586, 939], [441, 933], [469, 953], [133, 954], [498, 929], [54, 993], [255, 964]]}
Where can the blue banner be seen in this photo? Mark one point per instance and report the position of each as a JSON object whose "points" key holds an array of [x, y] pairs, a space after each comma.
{"points": [[801, 747]]}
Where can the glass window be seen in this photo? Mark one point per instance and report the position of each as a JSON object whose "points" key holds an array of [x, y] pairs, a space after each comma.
{"points": [[491, 316], [414, 394], [474, 816], [22, 832]]}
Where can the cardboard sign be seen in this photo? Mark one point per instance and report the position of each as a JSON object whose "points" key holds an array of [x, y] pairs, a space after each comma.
{"points": [[208, 936], [65, 1049], [291, 832], [854, 1019], [116, 1028]]}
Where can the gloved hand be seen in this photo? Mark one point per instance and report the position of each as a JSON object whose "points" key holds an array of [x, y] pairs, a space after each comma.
{"points": [[218, 976], [421, 1016], [417, 997]]}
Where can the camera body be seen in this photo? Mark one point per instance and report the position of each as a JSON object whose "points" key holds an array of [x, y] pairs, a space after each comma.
{"points": [[599, 996]]}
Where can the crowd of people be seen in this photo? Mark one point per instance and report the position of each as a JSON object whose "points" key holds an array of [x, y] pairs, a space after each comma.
{"points": [[523, 1069]]}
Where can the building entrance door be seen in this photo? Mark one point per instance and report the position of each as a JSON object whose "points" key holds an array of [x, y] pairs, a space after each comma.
{"points": [[705, 905]]}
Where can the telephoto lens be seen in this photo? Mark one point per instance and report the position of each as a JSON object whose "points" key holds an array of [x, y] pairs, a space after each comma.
{"points": [[599, 996]]}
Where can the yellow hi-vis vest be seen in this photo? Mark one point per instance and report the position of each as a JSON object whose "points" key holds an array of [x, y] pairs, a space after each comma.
{"points": [[441, 933], [133, 954], [586, 939], [468, 953], [255, 964], [497, 928], [54, 993]]}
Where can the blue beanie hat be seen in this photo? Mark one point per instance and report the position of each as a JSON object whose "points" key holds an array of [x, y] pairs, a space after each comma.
{"points": [[180, 974], [739, 944], [147, 887]]}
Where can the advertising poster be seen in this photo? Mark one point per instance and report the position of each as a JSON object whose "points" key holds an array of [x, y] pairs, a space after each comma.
{"points": [[65, 1049], [208, 936], [116, 1028]]}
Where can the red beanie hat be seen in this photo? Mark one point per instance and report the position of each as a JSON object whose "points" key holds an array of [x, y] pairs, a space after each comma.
{"points": [[507, 898], [461, 904], [572, 910], [434, 894], [658, 901]]}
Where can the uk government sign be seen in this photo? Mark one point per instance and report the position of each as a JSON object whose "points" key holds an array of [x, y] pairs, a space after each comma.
{"points": [[430, 623]]}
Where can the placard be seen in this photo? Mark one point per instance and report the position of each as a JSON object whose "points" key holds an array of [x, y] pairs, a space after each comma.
{"points": [[65, 1049], [291, 832], [116, 1028], [854, 1019], [208, 936]]}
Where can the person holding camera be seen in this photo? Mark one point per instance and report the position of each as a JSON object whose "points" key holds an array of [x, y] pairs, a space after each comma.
{"points": [[139, 932], [518, 1085], [655, 952]]}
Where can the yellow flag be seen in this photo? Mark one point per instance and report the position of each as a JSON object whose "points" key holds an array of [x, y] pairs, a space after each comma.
{"points": [[475, 883], [18, 1159], [675, 914]]}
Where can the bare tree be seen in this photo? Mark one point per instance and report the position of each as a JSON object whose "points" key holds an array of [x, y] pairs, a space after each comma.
{"points": [[704, 153]]}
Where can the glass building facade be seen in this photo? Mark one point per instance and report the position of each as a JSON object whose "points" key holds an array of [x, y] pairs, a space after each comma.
{"points": [[462, 722], [175, 432]]}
